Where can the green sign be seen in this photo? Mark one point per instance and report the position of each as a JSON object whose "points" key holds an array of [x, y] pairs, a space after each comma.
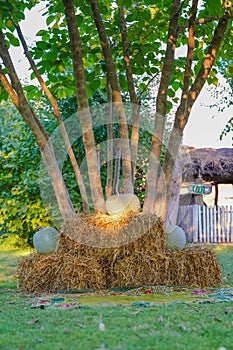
{"points": [[197, 189]]}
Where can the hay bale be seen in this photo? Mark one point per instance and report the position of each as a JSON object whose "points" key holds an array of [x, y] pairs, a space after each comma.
{"points": [[104, 231], [141, 262], [193, 266], [56, 272]]}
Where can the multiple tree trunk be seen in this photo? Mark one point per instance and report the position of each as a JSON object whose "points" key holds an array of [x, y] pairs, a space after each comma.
{"points": [[159, 180]]}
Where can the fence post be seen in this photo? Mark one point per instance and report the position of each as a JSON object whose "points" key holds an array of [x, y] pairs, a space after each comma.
{"points": [[231, 224], [219, 224], [227, 224], [195, 223], [215, 224], [199, 224], [206, 224], [211, 224], [223, 225]]}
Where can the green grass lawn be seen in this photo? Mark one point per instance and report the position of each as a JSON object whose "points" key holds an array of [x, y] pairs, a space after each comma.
{"points": [[170, 326]]}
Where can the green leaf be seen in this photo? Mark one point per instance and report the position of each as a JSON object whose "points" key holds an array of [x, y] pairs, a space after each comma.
{"points": [[43, 45], [229, 70], [41, 32], [13, 40], [61, 93], [128, 3], [169, 107], [171, 93], [176, 85], [79, 19], [123, 82], [50, 19], [215, 81], [214, 7], [120, 3]]}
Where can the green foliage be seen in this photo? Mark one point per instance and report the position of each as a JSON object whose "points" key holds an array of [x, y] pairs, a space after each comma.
{"points": [[21, 208], [227, 129], [147, 24]]}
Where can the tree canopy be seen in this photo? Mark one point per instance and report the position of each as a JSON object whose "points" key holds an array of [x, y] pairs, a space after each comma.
{"points": [[117, 52]]}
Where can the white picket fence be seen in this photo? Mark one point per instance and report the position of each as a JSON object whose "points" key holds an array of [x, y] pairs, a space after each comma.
{"points": [[207, 224]]}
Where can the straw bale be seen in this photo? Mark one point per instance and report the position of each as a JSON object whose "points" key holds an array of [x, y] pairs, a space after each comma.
{"points": [[192, 266], [46, 274], [104, 231], [143, 261]]}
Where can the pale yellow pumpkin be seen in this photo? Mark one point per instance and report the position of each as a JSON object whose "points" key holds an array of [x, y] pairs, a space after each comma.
{"points": [[122, 204], [45, 240]]}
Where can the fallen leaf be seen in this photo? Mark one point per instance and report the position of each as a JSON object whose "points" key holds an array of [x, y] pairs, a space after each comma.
{"points": [[32, 321], [176, 334], [80, 325], [101, 326], [227, 311], [160, 319], [183, 327], [217, 319], [66, 330], [135, 312]]}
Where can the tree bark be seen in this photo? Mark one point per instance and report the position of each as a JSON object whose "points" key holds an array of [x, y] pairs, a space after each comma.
{"points": [[116, 178], [135, 119], [182, 114], [117, 99], [58, 116], [216, 195], [42, 139], [174, 194], [83, 107], [109, 112], [161, 104], [176, 135]]}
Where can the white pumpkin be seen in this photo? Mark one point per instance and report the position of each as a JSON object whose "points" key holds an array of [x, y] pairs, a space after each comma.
{"points": [[122, 204], [176, 238], [45, 240]]}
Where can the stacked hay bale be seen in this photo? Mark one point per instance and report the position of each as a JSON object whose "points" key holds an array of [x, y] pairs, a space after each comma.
{"points": [[141, 260]]}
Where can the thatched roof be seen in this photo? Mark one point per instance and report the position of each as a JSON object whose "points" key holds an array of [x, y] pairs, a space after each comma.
{"points": [[209, 164]]}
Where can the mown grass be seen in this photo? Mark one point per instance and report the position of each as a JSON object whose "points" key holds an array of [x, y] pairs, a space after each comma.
{"points": [[172, 326]]}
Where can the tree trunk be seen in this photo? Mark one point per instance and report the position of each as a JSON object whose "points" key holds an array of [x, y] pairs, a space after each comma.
{"points": [[117, 168], [161, 104], [216, 195], [58, 116], [135, 119], [117, 99], [174, 194], [83, 107], [184, 109], [109, 112], [18, 98]]}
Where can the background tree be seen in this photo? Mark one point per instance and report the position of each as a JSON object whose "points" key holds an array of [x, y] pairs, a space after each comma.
{"points": [[91, 45]]}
